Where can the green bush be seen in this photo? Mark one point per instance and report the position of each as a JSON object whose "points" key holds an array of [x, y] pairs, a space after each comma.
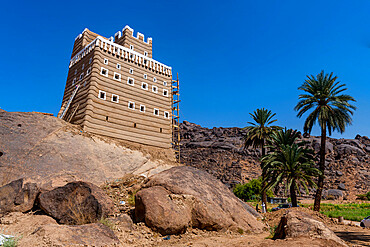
{"points": [[250, 191], [364, 196]]}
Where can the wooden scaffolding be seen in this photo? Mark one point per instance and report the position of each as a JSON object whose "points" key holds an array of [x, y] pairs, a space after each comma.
{"points": [[176, 118]]}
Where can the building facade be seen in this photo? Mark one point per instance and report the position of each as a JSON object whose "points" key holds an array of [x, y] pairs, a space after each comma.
{"points": [[115, 88]]}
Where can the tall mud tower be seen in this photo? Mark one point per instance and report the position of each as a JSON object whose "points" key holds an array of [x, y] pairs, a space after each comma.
{"points": [[115, 88]]}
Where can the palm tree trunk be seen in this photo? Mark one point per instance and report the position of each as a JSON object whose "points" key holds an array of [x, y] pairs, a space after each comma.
{"points": [[263, 195], [320, 184], [293, 195]]}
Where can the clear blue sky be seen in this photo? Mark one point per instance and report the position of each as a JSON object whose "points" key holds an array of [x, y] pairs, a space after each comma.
{"points": [[232, 56]]}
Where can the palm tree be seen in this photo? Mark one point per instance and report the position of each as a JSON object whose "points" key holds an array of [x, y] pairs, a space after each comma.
{"points": [[330, 109], [259, 132], [289, 162]]}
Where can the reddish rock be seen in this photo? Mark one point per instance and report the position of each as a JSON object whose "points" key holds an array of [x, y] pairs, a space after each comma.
{"points": [[296, 224], [17, 196], [188, 192], [76, 203], [160, 212]]}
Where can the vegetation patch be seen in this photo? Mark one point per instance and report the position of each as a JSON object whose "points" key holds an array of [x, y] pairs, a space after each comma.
{"points": [[349, 211]]}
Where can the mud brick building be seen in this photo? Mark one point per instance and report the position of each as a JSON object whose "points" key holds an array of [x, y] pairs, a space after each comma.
{"points": [[115, 88]]}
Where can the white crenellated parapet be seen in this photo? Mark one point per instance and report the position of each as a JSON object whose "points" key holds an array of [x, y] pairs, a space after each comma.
{"points": [[118, 35], [125, 52]]}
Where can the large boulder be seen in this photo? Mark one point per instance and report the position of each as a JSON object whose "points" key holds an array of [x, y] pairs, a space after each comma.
{"points": [[160, 212], [184, 197], [17, 196], [332, 194], [348, 149], [295, 224], [76, 203]]}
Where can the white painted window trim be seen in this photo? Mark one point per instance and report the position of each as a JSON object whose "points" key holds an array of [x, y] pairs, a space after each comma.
{"points": [[156, 89], [74, 81], [133, 103], [101, 71], [145, 76], [90, 60], [118, 66], [155, 109], [143, 107], [88, 71], [154, 79], [105, 95], [164, 83], [168, 114], [131, 47], [128, 81], [131, 71], [119, 76], [106, 61], [117, 98], [165, 90], [146, 53], [81, 76], [142, 85]]}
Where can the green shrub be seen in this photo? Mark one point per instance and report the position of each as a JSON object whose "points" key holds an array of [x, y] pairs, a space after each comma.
{"points": [[10, 242], [364, 196], [250, 191]]}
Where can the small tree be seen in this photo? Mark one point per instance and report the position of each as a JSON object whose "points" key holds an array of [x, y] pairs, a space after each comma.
{"points": [[290, 162], [250, 191]]}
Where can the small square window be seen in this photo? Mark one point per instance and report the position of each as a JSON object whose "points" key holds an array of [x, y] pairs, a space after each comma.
{"points": [[131, 71], [104, 71], [81, 76], [166, 114], [130, 81], [115, 98], [145, 76], [88, 71], [145, 53], [144, 86], [154, 89], [105, 61], [131, 47], [90, 60], [102, 95], [131, 105], [74, 81], [142, 108], [156, 112], [117, 76], [75, 71], [164, 83], [165, 92], [154, 79], [83, 66], [118, 66]]}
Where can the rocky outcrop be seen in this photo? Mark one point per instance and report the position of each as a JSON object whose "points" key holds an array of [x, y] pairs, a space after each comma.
{"points": [[52, 152], [295, 224], [184, 197], [220, 152], [76, 203], [17, 196]]}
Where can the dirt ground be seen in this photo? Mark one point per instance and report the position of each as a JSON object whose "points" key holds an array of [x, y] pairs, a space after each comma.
{"points": [[25, 225]]}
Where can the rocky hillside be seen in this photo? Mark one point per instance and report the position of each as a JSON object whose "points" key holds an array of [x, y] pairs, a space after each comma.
{"points": [[220, 152], [50, 151]]}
